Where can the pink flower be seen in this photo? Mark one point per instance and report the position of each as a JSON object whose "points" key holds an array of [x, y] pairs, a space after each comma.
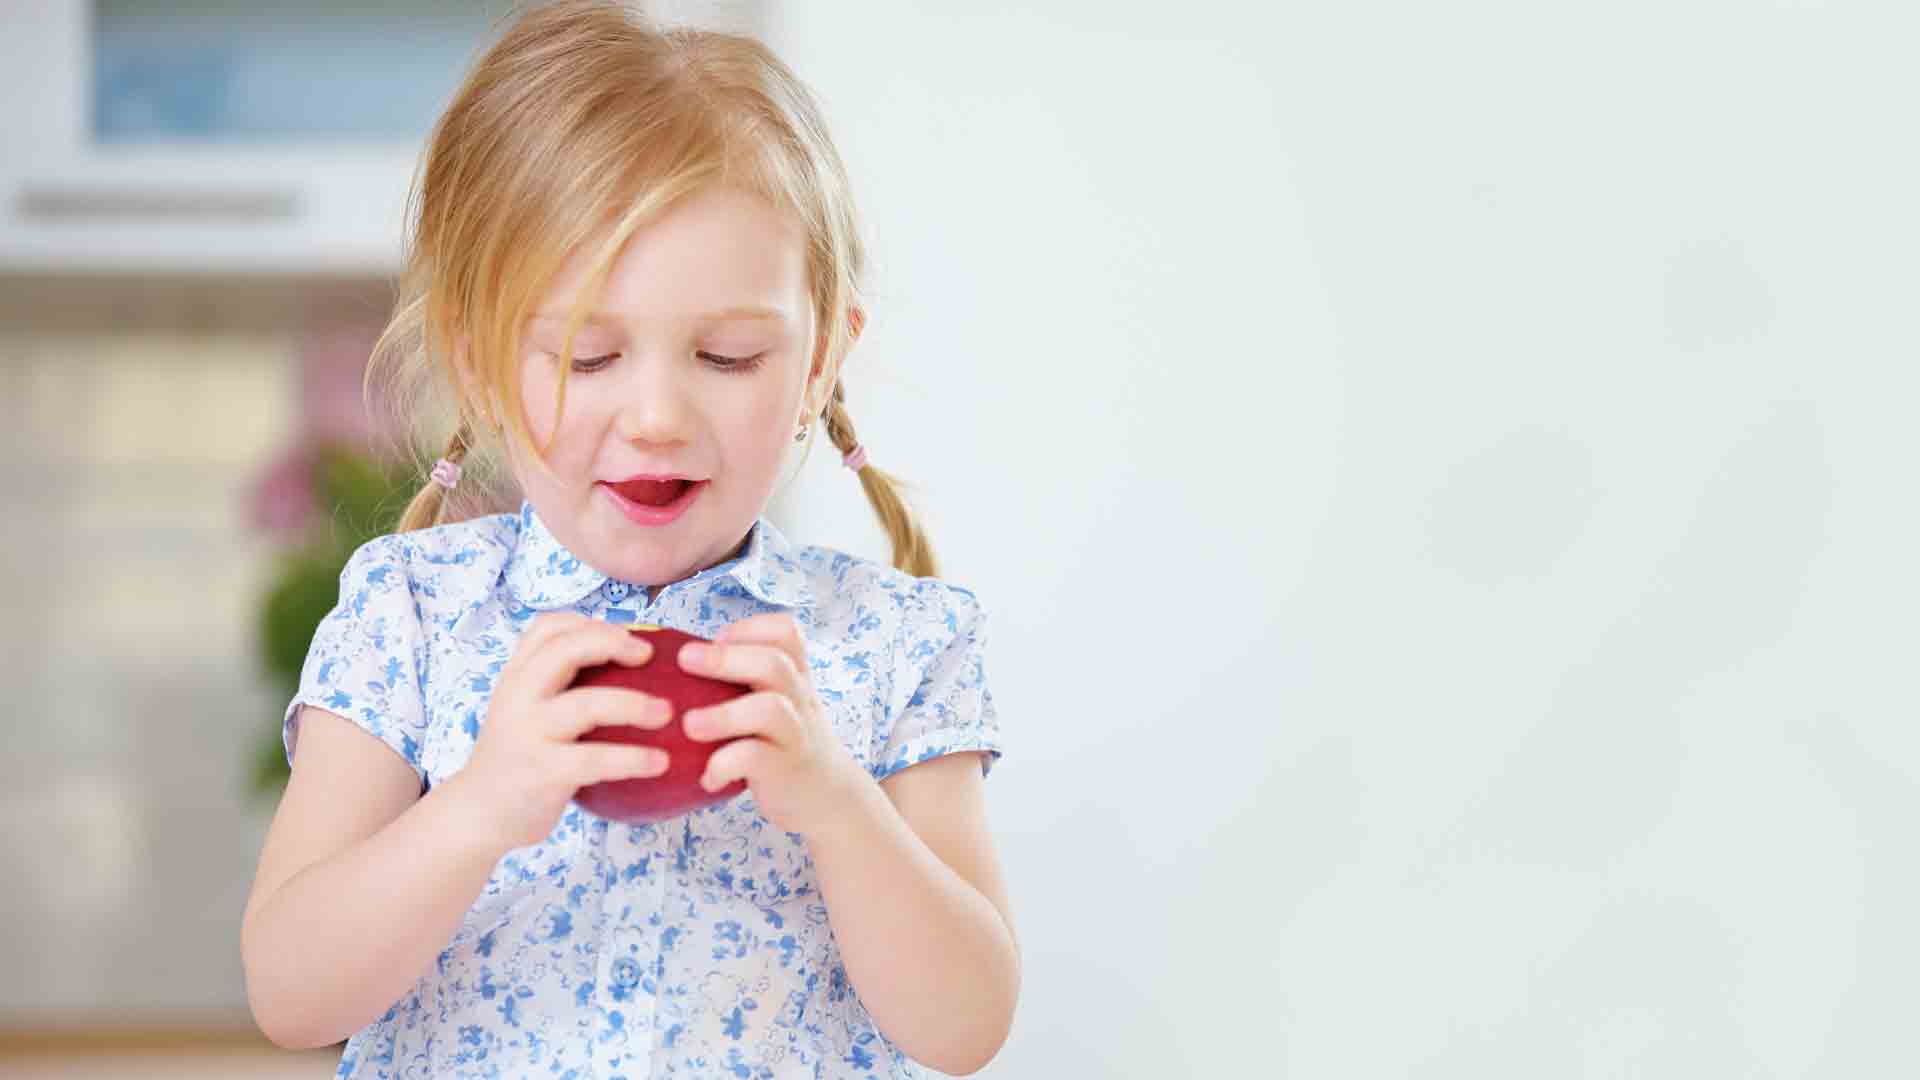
{"points": [[333, 363], [281, 499], [331, 357]]}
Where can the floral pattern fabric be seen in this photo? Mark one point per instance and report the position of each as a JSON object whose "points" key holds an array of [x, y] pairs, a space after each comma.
{"points": [[694, 947]]}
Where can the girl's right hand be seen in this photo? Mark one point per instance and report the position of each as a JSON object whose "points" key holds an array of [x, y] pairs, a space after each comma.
{"points": [[527, 762]]}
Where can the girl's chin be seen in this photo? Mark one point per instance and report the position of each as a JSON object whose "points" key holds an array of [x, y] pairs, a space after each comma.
{"points": [[648, 560]]}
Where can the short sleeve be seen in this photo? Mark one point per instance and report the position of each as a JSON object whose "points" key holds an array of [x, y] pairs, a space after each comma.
{"points": [[941, 703], [368, 655]]}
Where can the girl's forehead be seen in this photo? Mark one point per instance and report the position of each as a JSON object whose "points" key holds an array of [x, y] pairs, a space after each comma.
{"points": [[556, 319], [716, 254]]}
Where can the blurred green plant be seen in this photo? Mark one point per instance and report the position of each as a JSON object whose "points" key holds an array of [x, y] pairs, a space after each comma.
{"points": [[327, 501]]}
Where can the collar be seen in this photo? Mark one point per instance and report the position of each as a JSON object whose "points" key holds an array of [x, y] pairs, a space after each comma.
{"points": [[542, 574]]}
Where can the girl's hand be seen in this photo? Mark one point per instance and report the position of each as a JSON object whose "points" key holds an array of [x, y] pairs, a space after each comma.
{"points": [[526, 763], [800, 774]]}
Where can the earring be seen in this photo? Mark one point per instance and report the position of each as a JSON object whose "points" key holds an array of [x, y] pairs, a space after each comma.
{"points": [[800, 436]]}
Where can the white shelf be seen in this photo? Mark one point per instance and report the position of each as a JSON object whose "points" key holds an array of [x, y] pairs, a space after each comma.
{"points": [[212, 209]]}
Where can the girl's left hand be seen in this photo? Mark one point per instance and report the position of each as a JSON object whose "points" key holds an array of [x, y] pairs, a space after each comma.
{"points": [[800, 774]]}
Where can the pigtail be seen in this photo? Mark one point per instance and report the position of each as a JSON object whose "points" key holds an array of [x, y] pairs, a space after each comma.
{"points": [[427, 507], [912, 549]]}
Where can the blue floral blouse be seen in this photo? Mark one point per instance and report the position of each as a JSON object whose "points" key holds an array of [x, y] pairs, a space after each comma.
{"points": [[695, 947]]}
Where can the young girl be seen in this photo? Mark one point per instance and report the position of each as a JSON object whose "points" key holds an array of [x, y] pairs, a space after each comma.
{"points": [[633, 278]]}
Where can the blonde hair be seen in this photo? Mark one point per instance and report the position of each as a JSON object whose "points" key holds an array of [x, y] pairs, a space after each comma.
{"points": [[587, 118]]}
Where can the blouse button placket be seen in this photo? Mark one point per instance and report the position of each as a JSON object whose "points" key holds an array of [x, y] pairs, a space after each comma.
{"points": [[631, 908]]}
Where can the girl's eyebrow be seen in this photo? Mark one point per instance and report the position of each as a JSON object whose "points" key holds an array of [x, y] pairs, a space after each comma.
{"points": [[738, 311]]}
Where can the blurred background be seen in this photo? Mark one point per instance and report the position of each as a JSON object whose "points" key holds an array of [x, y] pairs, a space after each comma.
{"points": [[1434, 473]]}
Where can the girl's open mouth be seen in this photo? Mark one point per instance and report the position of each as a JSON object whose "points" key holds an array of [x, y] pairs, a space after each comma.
{"points": [[642, 514]]}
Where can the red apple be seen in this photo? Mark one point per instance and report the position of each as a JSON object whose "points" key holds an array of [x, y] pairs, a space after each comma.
{"points": [[676, 791]]}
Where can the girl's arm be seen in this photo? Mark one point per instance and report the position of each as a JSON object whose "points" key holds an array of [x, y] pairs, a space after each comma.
{"points": [[915, 897], [361, 884]]}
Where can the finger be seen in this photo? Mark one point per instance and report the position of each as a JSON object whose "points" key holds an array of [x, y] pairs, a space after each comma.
{"points": [[548, 624], [734, 761], [598, 763], [543, 629], [555, 666], [777, 629], [768, 715], [761, 666], [590, 707]]}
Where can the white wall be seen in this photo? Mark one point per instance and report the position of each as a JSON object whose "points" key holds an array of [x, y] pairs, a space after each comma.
{"points": [[1441, 478]]}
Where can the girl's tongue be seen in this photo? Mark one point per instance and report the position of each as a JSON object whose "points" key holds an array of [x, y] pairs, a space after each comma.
{"points": [[651, 492]]}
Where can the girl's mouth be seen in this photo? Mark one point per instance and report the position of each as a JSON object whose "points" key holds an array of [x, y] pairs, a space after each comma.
{"points": [[626, 497], [649, 491]]}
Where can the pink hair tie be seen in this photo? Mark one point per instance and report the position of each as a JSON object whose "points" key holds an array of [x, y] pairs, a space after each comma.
{"points": [[446, 473], [856, 458]]}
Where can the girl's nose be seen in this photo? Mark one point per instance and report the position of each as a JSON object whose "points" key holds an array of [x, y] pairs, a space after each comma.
{"points": [[652, 404]]}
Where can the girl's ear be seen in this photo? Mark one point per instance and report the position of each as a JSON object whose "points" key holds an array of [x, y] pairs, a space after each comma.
{"points": [[820, 381], [470, 384]]}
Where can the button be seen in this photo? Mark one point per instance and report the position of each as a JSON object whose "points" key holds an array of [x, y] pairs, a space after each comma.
{"points": [[617, 590]]}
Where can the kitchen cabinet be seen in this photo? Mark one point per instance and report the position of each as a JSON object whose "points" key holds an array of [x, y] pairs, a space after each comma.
{"points": [[232, 136], [218, 136]]}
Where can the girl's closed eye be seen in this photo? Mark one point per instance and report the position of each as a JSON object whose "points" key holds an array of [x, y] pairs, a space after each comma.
{"points": [[587, 365]]}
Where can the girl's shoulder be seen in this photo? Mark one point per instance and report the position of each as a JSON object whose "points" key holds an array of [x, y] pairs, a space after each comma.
{"points": [[851, 583], [446, 567]]}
